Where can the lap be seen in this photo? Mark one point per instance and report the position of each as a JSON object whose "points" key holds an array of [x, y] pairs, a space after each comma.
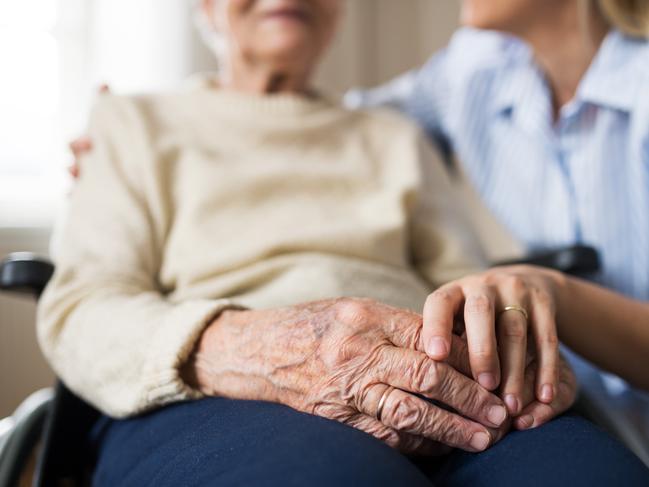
{"points": [[566, 451], [225, 442]]}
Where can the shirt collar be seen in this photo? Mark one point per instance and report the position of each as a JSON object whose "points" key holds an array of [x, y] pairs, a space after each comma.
{"points": [[517, 72], [618, 72]]}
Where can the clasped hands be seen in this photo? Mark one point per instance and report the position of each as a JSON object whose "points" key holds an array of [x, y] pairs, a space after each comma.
{"points": [[459, 376]]}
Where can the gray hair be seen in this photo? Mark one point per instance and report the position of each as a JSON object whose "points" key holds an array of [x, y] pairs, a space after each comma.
{"points": [[210, 36]]}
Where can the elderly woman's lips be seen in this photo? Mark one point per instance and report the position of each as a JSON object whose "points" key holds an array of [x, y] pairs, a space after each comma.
{"points": [[288, 14]]}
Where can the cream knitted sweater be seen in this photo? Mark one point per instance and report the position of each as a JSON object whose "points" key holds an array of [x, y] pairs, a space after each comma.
{"points": [[195, 202]]}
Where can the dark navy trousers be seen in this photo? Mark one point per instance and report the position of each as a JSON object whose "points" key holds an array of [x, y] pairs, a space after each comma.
{"points": [[230, 443]]}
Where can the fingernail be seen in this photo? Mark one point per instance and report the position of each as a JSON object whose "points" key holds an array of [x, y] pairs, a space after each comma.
{"points": [[488, 381], [512, 403], [437, 347], [547, 393], [480, 441], [526, 421], [497, 415]]}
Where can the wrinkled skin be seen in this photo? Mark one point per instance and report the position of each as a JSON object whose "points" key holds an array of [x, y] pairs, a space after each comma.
{"points": [[336, 358]]}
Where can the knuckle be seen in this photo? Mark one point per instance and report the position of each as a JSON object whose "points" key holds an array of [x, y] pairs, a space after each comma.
{"points": [[514, 330], [363, 396], [491, 277], [331, 411], [471, 399], [479, 304], [549, 375], [516, 285], [344, 350], [481, 351], [514, 383], [439, 296], [544, 299], [352, 311], [451, 387], [406, 415], [550, 341], [451, 432], [425, 375], [416, 337]]}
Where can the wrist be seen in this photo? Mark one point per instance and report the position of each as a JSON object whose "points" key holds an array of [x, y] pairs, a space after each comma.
{"points": [[563, 290], [199, 369], [242, 355], [193, 372]]}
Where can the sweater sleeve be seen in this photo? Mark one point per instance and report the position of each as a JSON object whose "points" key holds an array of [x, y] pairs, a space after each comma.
{"points": [[104, 323], [445, 245]]}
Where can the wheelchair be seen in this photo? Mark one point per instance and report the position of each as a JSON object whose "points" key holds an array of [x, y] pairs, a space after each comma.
{"points": [[48, 433]]}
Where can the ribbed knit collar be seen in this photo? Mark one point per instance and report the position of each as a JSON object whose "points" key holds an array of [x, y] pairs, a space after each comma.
{"points": [[281, 105], [250, 105]]}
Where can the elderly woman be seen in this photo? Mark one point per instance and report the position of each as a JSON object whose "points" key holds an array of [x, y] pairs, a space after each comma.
{"points": [[247, 252]]}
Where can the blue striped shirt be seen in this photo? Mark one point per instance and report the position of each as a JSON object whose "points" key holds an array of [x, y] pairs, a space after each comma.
{"points": [[583, 178]]}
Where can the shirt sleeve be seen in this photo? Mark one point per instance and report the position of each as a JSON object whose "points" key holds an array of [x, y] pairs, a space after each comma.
{"points": [[104, 322], [445, 245], [422, 94], [394, 94]]}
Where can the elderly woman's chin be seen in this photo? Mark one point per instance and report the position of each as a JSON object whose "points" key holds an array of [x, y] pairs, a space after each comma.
{"points": [[288, 47]]}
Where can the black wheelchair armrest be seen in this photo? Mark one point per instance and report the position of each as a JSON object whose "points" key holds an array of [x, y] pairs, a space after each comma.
{"points": [[578, 260], [25, 273]]}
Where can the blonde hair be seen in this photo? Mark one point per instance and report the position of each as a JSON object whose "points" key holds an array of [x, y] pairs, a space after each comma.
{"points": [[631, 17]]}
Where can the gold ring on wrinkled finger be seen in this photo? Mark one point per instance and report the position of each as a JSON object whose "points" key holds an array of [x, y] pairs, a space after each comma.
{"points": [[379, 409], [514, 307]]}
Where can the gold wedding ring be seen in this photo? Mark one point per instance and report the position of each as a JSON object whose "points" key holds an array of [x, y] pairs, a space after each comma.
{"points": [[521, 310], [379, 409]]}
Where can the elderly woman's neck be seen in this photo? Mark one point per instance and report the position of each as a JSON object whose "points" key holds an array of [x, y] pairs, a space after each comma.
{"points": [[264, 79]]}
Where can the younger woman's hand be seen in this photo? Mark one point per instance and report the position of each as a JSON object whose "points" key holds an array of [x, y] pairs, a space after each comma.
{"points": [[82, 145], [534, 413], [501, 310]]}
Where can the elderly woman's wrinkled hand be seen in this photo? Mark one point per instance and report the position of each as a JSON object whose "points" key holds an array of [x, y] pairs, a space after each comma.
{"points": [[508, 316], [352, 360]]}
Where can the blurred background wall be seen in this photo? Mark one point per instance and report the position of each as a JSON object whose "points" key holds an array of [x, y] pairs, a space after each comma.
{"points": [[134, 45]]}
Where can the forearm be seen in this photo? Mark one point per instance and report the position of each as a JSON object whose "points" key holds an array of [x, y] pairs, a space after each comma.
{"points": [[254, 355], [604, 327], [120, 349]]}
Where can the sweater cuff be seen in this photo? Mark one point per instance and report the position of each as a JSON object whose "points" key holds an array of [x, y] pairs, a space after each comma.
{"points": [[171, 348]]}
